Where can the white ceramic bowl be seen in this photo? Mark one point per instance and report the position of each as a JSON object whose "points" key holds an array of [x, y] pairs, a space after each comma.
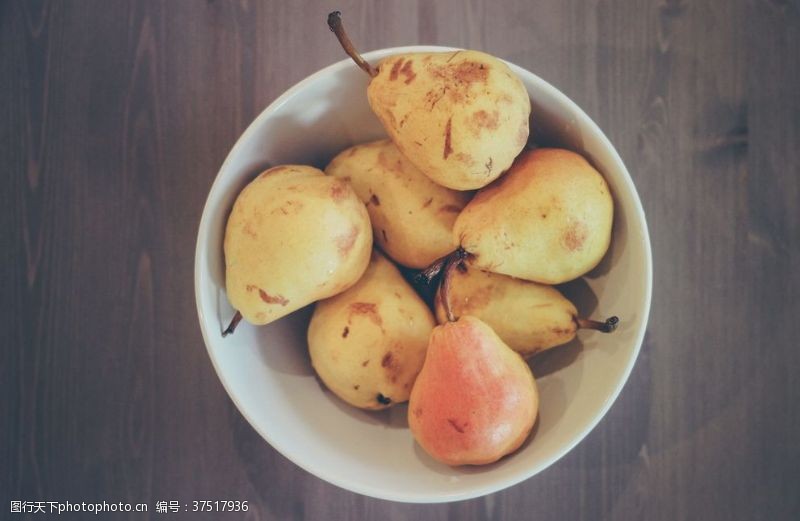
{"points": [[266, 370]]}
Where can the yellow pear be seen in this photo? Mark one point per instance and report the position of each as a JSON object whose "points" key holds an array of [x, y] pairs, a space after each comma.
{"points": [[461, 117], [412, 217], [529, 317], [547, 220], [368, 344], [294, 236]]}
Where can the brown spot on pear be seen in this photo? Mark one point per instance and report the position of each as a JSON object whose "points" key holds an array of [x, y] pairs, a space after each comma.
{"points": [[443, 100], [272, 299], [454, 424], [486, 120], [448, 137], [408, 72], [479, 396], [395, 69], [469, 72], [275, 225], [394, 332], [552, 209], [338, 191], [575, 236], [406, 221], [346, 242], [367, 309]]}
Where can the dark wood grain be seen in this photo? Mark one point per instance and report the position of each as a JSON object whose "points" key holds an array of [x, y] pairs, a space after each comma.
{"points": [[116, 115]]}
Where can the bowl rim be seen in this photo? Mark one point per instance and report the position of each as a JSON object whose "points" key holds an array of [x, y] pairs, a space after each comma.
{"points": [[477, 491]]}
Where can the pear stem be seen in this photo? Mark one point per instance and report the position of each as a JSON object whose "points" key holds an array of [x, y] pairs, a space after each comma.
{"points": [[453, 260], [604, 327], [232, 326], [428, 274], [336, 25]]}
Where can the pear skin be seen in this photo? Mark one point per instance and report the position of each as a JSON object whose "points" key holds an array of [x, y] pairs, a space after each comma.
{"points": [[412, 217], [368, 344], [294, 236], [548, 219], [475, 399], [528, 316], [461, 117]]}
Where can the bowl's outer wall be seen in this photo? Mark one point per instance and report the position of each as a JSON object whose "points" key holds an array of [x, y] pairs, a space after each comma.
{"points": [[266, 370]]}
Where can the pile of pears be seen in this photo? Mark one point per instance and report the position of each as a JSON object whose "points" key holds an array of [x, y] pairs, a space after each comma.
{"points": [[456, 195]]}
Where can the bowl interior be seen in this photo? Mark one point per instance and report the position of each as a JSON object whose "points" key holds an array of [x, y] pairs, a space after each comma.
{"points": [[266, 369]]}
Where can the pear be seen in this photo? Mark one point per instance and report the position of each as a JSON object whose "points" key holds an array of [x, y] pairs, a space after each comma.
{"points": [[294, 236], [461, 117], [547, 220], [412, 217], [368, 344], [529, 317], [475, 399]]}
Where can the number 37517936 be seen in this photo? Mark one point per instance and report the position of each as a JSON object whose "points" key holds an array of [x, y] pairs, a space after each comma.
{"points": [[219, 506]]}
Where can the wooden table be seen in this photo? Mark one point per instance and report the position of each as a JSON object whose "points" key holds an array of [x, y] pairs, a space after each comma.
{"points": [[116, 115]]}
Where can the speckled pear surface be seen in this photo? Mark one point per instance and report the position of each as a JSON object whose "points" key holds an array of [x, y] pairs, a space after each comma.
{"points": [[294, 236], [547, 220], [368, 344], [412, 217], [461, 117]]}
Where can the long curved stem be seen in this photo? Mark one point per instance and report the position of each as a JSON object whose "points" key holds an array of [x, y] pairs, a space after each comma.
{"points": [[604, 327], [454, 260], [336, 25], [232, 326]]}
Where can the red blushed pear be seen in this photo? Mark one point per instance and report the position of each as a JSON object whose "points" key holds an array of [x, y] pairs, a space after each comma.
{"points": [[475, 399]]}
